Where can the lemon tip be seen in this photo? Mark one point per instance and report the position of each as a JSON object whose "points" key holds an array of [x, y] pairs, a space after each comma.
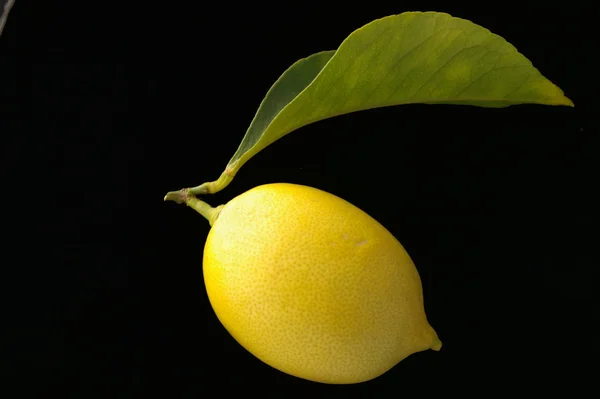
{"points": [[437, 345]]}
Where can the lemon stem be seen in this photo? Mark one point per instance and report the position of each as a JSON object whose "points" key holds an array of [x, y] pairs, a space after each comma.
{"points": [[184, 196], [214, 186]]}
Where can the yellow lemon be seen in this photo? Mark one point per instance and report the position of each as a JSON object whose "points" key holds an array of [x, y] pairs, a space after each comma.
{"points": [[313, 286]]}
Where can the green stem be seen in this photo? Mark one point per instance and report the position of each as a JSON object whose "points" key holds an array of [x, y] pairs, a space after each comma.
{"points": [[184, 196], [213, 186]]}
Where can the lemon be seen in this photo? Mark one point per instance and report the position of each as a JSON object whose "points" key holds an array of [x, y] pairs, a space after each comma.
{"points": [[313, 286]]}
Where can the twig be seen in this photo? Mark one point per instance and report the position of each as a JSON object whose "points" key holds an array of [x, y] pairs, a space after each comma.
{"points": [[7, 6]]}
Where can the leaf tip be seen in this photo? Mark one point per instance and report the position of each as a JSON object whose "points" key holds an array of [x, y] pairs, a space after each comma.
{"points": [[568, 102], [562, 100]]}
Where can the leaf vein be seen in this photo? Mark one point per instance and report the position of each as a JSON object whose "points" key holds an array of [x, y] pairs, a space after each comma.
{"points": [[384, 79], [442, 66], [485, 74]]}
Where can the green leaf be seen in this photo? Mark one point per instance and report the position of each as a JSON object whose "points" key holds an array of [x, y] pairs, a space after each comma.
{"points": [[291, 83], [414, 57]]}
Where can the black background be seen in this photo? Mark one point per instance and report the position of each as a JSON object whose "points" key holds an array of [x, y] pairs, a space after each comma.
{"points": [[105, 108]]}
